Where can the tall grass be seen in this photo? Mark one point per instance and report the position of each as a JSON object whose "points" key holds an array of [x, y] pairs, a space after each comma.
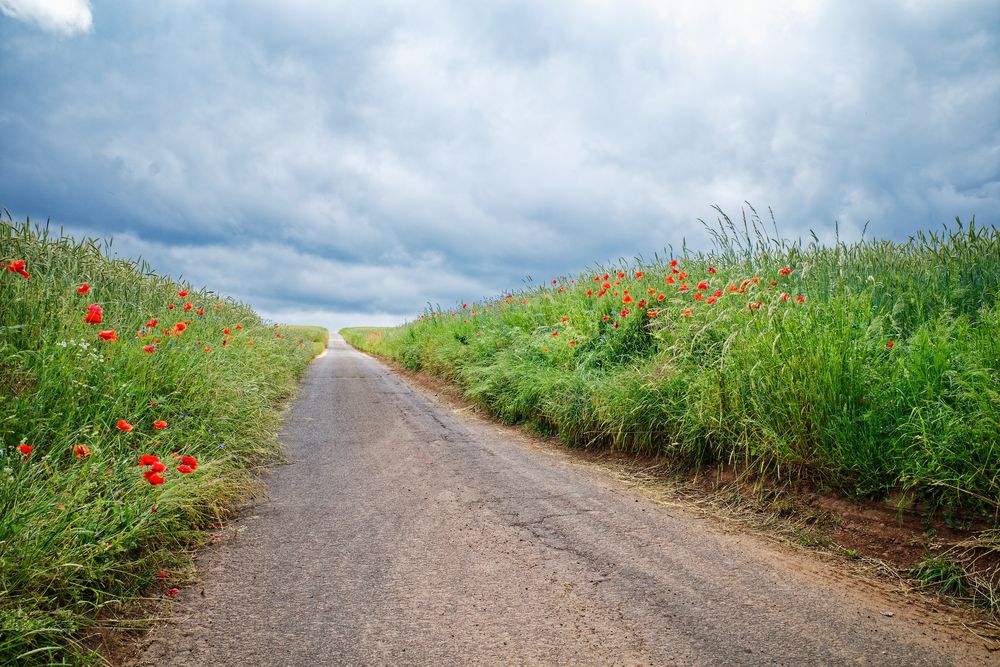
{"points": [[882, 379], [79, 535]]}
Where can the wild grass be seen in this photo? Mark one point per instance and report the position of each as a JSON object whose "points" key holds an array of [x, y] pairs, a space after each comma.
{"points": [[318, 337], [882, 380], [82, 535]]}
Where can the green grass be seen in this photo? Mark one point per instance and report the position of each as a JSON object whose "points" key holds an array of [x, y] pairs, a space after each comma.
{"points": [[79, 536], [318, 337], [883, 379]]}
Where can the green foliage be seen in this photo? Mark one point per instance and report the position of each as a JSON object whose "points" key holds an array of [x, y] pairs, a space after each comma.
{"points": [[77, 534], [791, 389], [318, 337]]}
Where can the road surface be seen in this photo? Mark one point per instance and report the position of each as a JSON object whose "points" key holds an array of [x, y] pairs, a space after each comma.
{"points": [[404, 533]]}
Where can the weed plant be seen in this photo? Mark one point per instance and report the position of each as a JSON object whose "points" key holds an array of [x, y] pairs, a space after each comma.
{"points": [[81, 527], [871, 367]]}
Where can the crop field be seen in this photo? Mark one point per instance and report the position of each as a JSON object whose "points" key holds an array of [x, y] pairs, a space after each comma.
{"points": [[134, 411], [870, 368]]}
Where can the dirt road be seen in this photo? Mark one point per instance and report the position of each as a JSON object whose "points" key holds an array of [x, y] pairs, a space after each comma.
{"points": [[405, 533]]}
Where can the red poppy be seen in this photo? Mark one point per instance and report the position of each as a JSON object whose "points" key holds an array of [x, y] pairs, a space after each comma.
{"points": [[683, 288], [606, 276], [170, 306], [661, 297], [621, 274], [641, 304], [652, 313], [149, 348], [152, 323], [183, 293], [208, 349], [161, 575], [157, 467], [800, 298], [890, 344], [669, 280], [638, 274], [124, 426], [179, 327], [773, 283], [79, 451], [686, 313], [173, 591], [190, 461], [712, 299], [239, 326], [572, 343], [225, 332], [711, 269], [698, 296], [590, 292], [110, 334], [200, 311], [83, 289], [159, 424], [154, 479], [627, 298], [148, 459], [703, 285], [187, 305], [565, 319], [95, 314], [625, 312], [185, 469], [555, 333], [785, 271], [717, 293], [673, 262], [17, 266], [732, 288], [25, 449], [784, 297]]}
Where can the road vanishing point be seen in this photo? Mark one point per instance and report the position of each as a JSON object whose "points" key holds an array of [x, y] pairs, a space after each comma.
{"points": [[404, 532]]}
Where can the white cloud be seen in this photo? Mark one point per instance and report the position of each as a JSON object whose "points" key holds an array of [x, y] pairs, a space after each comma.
{"points": [[65, 16]]}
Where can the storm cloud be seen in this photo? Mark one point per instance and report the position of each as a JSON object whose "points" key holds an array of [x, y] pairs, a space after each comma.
{"points": [[350, 163]]}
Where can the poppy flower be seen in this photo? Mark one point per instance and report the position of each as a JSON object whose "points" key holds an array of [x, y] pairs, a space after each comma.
{"points": [[621, 274], [555, 333], [187, 305], [95, 314], [190, 461], [154, 479], [641, 304], [110, 334], [572, 343], [200, 311], [157, 467], [698, 296], [183, 293], [784, 297], [606, 318], [161, 575], [170, 306], [682, 275], [208, 349], [712, 299], [125, 426], [703, 285], [565, 319], [616, 324], [683, 288], [83, 289], [606, 285], [773, 283], [800, 298], [590, 292], [661, 297], [717, 293], [669, 280], [785, 271], [686, 313], [79, 451], [627, 299], [890, 344], [711, 269], [625, 312], [148, 459], [673, 262], [159, 424], [152, 323], [732, 288], [17, 266], [149, 348], [225, 332], [638, 274], [173, 591], [185, 469], [25, 449], [179, 327], [239, 326], [652, 313]]}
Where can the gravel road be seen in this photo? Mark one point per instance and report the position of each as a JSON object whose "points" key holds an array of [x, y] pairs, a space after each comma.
{"points": [[404, 533]]}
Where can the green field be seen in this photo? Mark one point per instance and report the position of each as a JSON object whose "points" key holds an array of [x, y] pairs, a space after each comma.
{"points": [[319, 337], [872, 368], [84, 529]]}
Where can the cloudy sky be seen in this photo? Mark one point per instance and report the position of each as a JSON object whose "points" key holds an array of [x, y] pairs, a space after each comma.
{"points": [[347, 163]]}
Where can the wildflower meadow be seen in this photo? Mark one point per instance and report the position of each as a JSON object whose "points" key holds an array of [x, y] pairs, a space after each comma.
{"points": [[870, 368], [133, 413]]}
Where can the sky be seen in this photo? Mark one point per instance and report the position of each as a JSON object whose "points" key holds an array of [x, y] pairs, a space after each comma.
{"points": [[345, 163]]}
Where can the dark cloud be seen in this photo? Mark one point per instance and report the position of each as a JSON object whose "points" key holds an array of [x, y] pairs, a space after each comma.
{"points": [[317, 158]]}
